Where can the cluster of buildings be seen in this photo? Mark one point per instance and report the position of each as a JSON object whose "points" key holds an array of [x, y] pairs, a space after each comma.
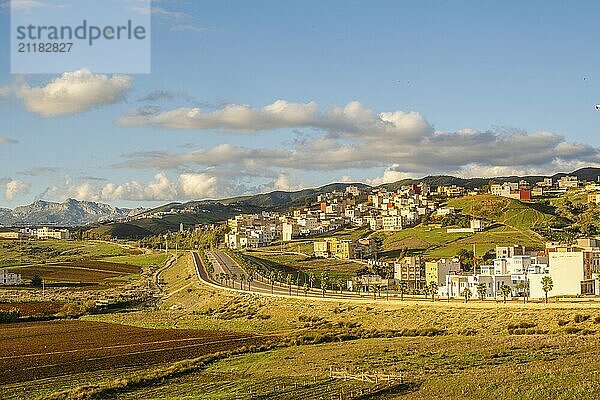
{"points": [[573, 268], [522, 190], [378, 209], [39, 233], [9, 278]]}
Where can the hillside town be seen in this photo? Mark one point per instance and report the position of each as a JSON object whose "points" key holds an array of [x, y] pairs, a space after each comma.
{"points": [[511, 271]]}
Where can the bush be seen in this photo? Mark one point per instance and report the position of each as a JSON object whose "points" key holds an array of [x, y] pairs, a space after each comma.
{"points": [[580, 318], [572, 330], [597, 320], [524, 325], [9, 316], [562, 322]]}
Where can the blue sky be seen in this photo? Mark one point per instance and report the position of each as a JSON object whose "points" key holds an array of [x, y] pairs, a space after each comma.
{"points": [[246, 97]]}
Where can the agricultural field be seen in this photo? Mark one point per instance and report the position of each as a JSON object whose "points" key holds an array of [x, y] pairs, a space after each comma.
{"points": [[438, 348], [79, 262], [51, 251], [29, 309], [95, 346], [466, 367]]}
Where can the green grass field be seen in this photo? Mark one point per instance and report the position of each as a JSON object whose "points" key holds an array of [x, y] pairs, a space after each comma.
{"points": [[519, 215], [50, 251], [485, 350]]}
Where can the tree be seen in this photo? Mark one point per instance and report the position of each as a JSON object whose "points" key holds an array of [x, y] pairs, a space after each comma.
{"points": [[433, 287], [324, 281], [467, 294], [250, 279], [272, 277], [311, 278], [403, 287], [288, 280], [280, 277], [340, 283], [426, 291], [505, 290], [36, 281], [547, 285], [466, 259], [305, 289], [481, 290], [233, 279], [242, 280]]}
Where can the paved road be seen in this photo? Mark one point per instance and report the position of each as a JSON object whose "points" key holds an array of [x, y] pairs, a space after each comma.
{"points": [[225, 264]]}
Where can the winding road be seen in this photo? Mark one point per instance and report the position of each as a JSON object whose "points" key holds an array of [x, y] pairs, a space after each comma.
{"points": [[222, 263]]}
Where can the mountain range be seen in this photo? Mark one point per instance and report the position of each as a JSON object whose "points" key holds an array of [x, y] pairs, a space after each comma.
{"points": [[70, 213], [79, 213]]}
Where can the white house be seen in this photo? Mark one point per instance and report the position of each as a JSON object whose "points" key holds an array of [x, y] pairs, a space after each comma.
{"points": [[9, 278]]}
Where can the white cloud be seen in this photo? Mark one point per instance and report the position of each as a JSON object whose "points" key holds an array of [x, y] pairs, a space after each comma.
{"points": [[197, 186], [15, 188], [23, 5], [7, 140], [188, 186], [232, 117], [74, 92], [390, 174]]}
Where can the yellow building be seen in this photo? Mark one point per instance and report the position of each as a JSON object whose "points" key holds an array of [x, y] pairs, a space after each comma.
{"points": [[436, 271], [334, 248]]}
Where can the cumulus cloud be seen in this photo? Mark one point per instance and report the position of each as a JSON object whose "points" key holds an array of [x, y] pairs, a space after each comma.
{"points": [[354, 119], [342, 138], [15, 188], [232, 117], [188, 186], [74, 92]]}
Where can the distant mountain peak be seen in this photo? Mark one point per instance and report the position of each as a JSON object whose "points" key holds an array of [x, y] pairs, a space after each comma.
{"points": [[71, 212]]}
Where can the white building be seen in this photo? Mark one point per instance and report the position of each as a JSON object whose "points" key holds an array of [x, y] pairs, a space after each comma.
{"points": [[9, 278], [47, 233]]}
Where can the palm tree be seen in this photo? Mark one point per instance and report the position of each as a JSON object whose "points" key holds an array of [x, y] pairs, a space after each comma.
{"points": [[433, 287], [311, 278], [547, 285], [340, 283], [505, 290], [250, 279], [403, 287], [272, 277], [324, 281], [481, 290], [374, 290], [288, 280], [466, 293]]}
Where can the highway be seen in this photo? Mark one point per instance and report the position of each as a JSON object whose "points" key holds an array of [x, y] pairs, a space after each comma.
{"points": [[222, 263]]}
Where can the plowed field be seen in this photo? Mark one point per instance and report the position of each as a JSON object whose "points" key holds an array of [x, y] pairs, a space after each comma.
{"points": [[45, 349]]}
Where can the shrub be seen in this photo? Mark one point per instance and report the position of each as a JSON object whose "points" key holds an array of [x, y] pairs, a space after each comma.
{"points": [[597, 320], [562, 322], [524, 325], [12, 315], [572, 330], [580, 318]]}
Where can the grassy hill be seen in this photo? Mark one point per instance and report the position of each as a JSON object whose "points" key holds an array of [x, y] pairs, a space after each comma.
{"points": [[519, 215]]}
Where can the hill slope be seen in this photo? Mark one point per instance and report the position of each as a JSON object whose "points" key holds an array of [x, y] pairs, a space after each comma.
{"points": [[514, 213]]}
